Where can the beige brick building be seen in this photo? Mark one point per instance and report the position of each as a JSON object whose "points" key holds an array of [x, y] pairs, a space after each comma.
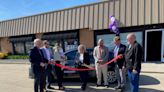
{"points": [[85, 24]]}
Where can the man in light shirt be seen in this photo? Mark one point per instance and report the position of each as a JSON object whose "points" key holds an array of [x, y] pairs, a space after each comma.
{"points": [[101, 55], [48, 54], [119, 63]]}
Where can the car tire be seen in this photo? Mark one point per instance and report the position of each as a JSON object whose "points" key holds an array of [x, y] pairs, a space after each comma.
{"points": [[111, 77]]}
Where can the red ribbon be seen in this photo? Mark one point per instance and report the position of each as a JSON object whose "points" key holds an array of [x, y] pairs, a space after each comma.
{"points": [[85, 69]]}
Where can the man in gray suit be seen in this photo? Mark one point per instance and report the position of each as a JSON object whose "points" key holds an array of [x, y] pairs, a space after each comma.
{"points": [[101, 55], [48, 54]]}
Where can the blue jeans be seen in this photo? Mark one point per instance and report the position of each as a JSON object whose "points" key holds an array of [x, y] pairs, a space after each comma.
{"points": [[134, 80]]}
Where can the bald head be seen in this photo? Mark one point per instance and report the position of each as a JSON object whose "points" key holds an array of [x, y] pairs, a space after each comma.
{"points": [[131, 38], [38, 43]]}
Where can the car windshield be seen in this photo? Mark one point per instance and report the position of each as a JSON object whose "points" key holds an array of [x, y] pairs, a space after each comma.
{"points": [[71, 56]]}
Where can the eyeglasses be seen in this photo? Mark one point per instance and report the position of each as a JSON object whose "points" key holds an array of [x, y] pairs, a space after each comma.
{"points": [[46, 43]]}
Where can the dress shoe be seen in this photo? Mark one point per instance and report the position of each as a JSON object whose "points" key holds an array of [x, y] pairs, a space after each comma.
{"points": [[98, 85], [83, 88], [62, 88], [106, 86], [49, 87]]}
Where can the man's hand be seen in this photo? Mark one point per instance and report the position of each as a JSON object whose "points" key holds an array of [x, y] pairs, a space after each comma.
{"points": [[120, 56], [134, 71], [51, 61], [100, 60], [86, 65], [123, 67], [77, 61], [42, 64]]}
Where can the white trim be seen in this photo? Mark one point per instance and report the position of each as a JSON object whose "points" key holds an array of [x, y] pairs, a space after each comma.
{"points": [[162, 52], [162, 47]]}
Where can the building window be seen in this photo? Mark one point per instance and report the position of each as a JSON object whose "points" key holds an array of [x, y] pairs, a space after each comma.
{"points": [[66, 44], [29, 45], [70, 44], [0, 46], [139, 37], [68, 41], [19, 48], [108, 39], [22, 44]]}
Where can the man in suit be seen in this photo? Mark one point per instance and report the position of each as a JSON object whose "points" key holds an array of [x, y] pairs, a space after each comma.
{"points": [[133, 57], [101, 55], [48, 55], [38, 64], [119, 68]]}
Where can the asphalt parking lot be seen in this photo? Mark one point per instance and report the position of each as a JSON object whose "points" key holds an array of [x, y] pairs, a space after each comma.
{"points": [[14, 78]]}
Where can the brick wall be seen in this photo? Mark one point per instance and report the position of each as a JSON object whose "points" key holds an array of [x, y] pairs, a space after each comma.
{"points": [[87, 37]]}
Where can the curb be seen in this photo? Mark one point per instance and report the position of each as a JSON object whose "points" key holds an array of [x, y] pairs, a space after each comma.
{"points": [[15, 61]]}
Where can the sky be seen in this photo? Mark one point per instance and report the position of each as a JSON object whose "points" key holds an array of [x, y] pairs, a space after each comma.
{"points": [[10, 9]]}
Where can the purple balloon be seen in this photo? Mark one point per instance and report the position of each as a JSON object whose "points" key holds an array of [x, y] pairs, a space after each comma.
{"points": [[113, 25]]}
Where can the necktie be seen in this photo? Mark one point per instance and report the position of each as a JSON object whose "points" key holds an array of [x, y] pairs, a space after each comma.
{"points": [[129, 47], [116, 51], [40, 54]]}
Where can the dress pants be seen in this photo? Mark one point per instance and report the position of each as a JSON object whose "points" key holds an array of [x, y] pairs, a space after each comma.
{"points": [[39, 80], [84, 78], [102, 71], [59, 74], [120, 75], [49, 75], [134, 80]]}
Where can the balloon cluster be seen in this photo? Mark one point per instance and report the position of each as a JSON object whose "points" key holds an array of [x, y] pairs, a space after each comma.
{"points": [[113, 26]]}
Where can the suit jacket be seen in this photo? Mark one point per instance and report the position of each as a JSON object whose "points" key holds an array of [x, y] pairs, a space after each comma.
{"points": [[133, 56], [85, 61], [104, 56], [120, 62], [36, 57]]}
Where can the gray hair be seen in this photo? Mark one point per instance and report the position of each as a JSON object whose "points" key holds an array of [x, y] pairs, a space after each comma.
{"points": [[82, 47], [36, 41], [131, 35], [100, 40]]}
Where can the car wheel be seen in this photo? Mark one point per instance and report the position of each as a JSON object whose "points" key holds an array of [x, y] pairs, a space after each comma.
{"points": [[111, 77]]}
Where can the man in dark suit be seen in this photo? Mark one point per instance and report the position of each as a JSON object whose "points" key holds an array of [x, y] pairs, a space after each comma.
{"points": [[82, 59], [133, 57], [119, 68], [38, 64]]}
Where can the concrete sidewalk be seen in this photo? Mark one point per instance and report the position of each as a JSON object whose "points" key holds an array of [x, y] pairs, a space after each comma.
{"points": [[152, 77], [14, 77], [149, 67], [153, 67]]}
